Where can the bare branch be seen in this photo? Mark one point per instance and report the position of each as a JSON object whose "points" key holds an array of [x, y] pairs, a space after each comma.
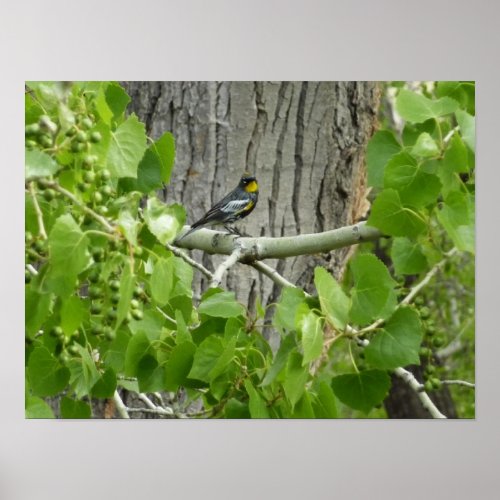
{"points": [[190, 261], [230, 261], [459, 382], [426, 401], [272, 273], [99, 218], [39, 215], [277, 248], [122, 409]]}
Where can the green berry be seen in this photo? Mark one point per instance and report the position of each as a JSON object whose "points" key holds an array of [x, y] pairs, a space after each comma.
{"points": [[438, 341], [106, 190], [425, 312], [111, 315], [73, 349], [428, 386], [49, 194], [98, 254], [30, 144], [103, 209], [114, 285], [94, 276], [89, 160], [56, 331], [137, 314], [96, 330], [97, 197], [105, 174], [83, 186], [32, 129], [110, 334], [138, 292], [28, 237], [430, 369], [115, 298], [86, 123], [95, 308], [81, 136], [134, 304], [95, 292], [45, 141], [76, 147], [89, 176], [71, 132], [436, 383], [95, 137], [40, 246], [424, 351]]}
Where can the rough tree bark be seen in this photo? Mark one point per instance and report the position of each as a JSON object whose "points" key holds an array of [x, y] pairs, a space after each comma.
{"points": [[305, 142]]}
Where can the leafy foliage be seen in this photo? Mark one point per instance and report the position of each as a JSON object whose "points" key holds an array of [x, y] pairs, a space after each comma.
{"points": [[109, 306]]}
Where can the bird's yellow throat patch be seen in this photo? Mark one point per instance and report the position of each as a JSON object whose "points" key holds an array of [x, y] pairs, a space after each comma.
{"points": [[251, 187]]}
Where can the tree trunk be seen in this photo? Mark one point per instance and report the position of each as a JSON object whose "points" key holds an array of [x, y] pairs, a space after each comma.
{"points": [[305, 142]]}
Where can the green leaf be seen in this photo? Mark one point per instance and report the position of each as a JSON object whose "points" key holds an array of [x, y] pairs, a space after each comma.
{"points": [[457, 218], [149, 172], [425, 146], [415, 187], [312, 336], [398, 343], [115, 355], [179, 365], [407, 257], [72, 408], [164, 148], [391, 217], [224, 360], [373, 295], [37, 408], [236, 409], [72, 314], [417, 108], [38, 164], [296, 376], [126, 290], [182, 334], [221, 305], [129, 226], [303, 408], [280, 359], [164, 221], [116, 98], [83, 371], [46, 375], [467, 124], [334, 302], [37, 307], [206, 357], [256, 404], [286, 309], [381, 148], [363, 390], [324, 404], [127, 146], [162, 280], [183, 277], [151, 324], [149, 374], [455, 161], [105, 387], [138, 347], [67, 248]]}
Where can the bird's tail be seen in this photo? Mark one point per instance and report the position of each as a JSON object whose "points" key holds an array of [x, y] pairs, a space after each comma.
{"points": [[192, 230]]}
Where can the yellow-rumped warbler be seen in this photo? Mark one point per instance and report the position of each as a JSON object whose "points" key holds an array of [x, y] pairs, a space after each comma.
{"points": [[234, 206]]}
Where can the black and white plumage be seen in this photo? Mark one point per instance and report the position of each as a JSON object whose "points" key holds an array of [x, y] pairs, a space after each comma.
{"points": [[236, 205]]}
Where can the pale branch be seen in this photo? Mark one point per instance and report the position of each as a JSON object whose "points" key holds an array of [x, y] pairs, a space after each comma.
{"points": [[190, 261], [31, 270], [230, 261], [99, 218], [158, 411], [459, 382], [272, 274], [215, 242], [154, 408], [120, 406], [414, 384], [39, 215], [165, 315]]}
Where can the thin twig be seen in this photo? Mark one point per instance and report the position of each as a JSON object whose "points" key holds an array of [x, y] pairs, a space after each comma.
{"points": [[99, 218], [459, 382], [219, 272], [39, 215], [190, 261], [31, 270], [122, 409], [271, 273], [165, 315], [414, 384], [154, 408]]}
